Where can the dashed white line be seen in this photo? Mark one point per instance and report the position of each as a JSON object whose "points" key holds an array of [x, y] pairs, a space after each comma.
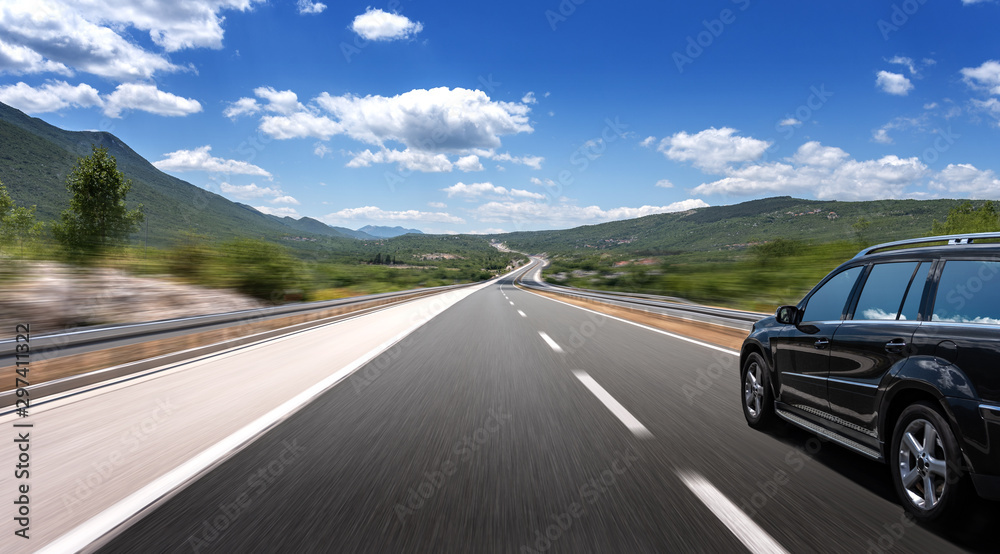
{"points": [[511, 302], [548, 340], [750, 534], [522, 313], [638, 429]]}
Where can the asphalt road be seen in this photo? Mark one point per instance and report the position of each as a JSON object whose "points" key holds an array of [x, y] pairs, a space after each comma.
{"points": [[484, 435]]}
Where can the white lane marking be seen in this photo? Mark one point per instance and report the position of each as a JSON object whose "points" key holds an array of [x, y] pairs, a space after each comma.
{"points": [[97, 526], [522, 313], [511, 302], [548, 340], [638, 429], [647, 327], [749, 533]]}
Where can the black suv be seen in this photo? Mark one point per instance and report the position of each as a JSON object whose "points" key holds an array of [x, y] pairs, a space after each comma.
{"points": [[894, 355]]}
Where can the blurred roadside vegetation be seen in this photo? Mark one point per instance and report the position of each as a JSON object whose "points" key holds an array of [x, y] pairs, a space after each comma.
{"points": [[759, 277]]}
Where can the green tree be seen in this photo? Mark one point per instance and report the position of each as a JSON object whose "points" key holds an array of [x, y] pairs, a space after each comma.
{"points": [[861, 228], [967, 218], [98, 218], [17, 223]]}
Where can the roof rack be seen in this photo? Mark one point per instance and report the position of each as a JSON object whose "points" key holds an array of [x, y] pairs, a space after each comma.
{"points": [[967, 238]]}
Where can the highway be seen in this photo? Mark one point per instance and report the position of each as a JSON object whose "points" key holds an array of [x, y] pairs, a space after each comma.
{"points": [[494, 420]]}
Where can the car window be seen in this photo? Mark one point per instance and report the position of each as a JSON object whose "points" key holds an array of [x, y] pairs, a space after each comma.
{"points": [[911, 306], [968, 292], [882, 295], [827, 303]]}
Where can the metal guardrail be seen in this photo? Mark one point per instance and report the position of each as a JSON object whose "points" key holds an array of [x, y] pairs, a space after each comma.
{"points": [[95, 336], [663, 302]]}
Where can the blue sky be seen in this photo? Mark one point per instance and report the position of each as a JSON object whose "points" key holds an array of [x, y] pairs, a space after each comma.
{"points": [[490, 116]]}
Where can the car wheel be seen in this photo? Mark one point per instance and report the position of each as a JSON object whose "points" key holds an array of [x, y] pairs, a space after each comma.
{"points": [[758, 400], [926, 464]]}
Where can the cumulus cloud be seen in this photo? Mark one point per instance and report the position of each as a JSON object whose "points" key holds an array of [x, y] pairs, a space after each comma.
{"points": [[309, 7], [374, 213], [665, 184], [50, 97], [893, 83], [478, 190], [881, 136], [529, 98], [249, 191], [431, 125], [285, 199], [986, 76], [200, 159], [789, 122], [712, 149], [148, 98], [824, 172], [904, 61], [647, 142], [966, 180], [376, 24]]}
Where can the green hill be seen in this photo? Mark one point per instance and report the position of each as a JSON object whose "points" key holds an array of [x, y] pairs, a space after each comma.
{"points": [[723, 228]]}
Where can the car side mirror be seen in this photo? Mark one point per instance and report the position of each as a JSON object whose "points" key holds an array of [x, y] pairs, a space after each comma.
{"points": [[787, 315]]}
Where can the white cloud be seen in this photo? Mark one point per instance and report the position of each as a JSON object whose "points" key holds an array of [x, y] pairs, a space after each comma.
{"points": [[565, 213], [712, 149], [285, 200], [477, 190], [407, 159], [986, 76], [321, 149], [665, 184], [249, 191], [309, 7], [431, 124], [437, 205], [243, 106], [148, 98], [647, 142], [377, 214], [50, 97], [529, 98], [930, 105], [789, 122], [904, 61], [376, 24], [893, 83], [824, 172], [469, 163], [966, 180], [283, 211], [881, 136], [990, 106], [91, 37], [199, 159]]}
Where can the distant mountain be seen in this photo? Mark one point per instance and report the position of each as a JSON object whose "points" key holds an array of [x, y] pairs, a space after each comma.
{"points": [[315, 226], [36, 157], [739, 225], [388, 232]]}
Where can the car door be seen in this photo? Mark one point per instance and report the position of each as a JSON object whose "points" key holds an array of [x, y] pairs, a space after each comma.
{"points": [[874, 339], [802, 354]]}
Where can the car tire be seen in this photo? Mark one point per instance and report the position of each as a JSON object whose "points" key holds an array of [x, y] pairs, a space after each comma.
{"points": [[926, 465], [756, 394]]}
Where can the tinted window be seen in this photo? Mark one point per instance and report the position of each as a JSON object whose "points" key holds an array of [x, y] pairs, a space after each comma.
{"points": [[827, 303], [969, 292], [883, 293], [911, 307]]}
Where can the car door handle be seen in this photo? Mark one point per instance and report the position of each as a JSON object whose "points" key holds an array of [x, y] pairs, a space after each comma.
{"points": [[895, 346], [821, 343]]}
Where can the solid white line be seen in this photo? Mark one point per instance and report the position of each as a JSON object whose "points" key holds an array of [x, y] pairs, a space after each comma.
{"points": [[647, 327], [638, 429], [749, 533], [102, 523], [548, 340], [522, 313]]}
